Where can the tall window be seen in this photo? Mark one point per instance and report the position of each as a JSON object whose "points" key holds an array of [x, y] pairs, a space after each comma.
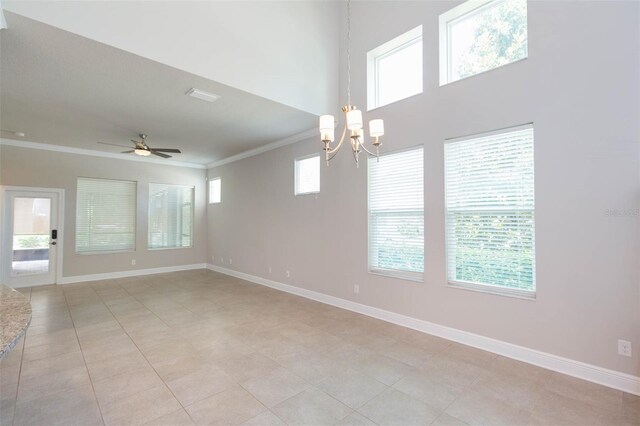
{"points": [[490, 212], [307, 175], [170, 216], [396, 214], [394, 69], [480, 35], [105, 215], [215, 190]]}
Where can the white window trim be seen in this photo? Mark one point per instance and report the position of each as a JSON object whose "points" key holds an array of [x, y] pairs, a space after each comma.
{"points": [[393, 273], [460, 11], [373, 57], [209, 190], [295, 175], [193, 207], [483, 287]]}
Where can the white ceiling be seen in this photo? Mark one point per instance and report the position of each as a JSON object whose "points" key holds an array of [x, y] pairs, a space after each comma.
{"points": [[63, 89]]}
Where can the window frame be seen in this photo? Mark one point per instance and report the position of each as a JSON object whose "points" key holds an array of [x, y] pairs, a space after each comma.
{"points": [[387, 49], [295, 174], [193, 200], [486, 287], [395, 273], [467, 9], [209, 190], [135, 219]]}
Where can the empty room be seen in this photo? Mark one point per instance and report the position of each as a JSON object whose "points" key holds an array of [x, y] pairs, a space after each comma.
{"points": [[320, 212]]}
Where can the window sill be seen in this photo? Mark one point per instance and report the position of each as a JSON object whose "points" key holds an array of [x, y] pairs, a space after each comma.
{"points": [[495, 290], [306, 193], [402, 275], [167, 248]]}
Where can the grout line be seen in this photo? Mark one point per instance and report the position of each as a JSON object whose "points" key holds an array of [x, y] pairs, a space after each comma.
{"points": [[83, 358]]}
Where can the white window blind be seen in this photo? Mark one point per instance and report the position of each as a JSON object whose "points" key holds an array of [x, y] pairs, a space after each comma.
{"points": [[215, 190], [396, 214], [307, 175], [170, 216], [490, 211], [105, 215]]}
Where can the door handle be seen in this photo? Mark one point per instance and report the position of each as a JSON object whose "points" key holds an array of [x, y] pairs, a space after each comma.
{"points": [[53, 243]]}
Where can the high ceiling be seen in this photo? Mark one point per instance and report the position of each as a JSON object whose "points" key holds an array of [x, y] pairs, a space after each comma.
{"points": [[63, 89]]}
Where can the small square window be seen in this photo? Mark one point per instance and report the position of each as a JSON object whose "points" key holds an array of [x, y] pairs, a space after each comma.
{"points": [[480, 35], [394, 69], [307, 175], [215, 191]]}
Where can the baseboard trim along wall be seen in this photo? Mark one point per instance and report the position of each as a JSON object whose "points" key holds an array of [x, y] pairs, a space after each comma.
{"points": [[603, 376], [131, 273]]}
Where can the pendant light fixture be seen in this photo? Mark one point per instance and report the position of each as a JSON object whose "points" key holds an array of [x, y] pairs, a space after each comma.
{"points": [[353, 119]]}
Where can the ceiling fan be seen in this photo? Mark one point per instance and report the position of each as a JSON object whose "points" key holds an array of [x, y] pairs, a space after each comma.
{"points": [[141, 148]]}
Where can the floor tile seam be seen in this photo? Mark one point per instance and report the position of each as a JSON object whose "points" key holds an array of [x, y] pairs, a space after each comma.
{"points": [[85, 362]]}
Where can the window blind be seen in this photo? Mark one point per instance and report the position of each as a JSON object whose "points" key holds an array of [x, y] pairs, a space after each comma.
{"points": [[307, 175], [490, 210], [170, 216], [105, 215], [396, 213], [215, 191]]}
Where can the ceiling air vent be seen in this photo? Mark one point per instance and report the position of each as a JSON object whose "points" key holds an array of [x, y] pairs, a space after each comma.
{"points": [[202, 95]]}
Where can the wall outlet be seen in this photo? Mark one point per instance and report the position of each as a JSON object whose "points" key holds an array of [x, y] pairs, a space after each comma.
{"points": [[270, 270], [222, 260], [624, 348], [288, 274], [213, 258], [230, 261], [356, 289], [133, 261]]}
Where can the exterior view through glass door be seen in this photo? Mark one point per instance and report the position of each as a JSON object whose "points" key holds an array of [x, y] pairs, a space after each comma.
{"points": [[31, 238]]}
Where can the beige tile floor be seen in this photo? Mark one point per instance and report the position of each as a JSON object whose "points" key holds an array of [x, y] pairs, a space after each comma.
{"points": [[204, 348]]}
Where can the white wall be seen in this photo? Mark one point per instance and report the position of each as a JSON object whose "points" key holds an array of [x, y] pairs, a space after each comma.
{"points": [[46, 169], [580, 86], [292, 44]]}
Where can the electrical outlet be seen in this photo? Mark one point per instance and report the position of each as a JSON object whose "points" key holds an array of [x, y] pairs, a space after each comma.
{"points": [[624, 348], [133, 261], [270, 270], [288, 274], [230, 261], [213, 258], [222, 260], [356, 289]]}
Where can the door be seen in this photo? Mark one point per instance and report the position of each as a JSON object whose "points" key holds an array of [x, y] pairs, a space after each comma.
{"points": [[30, 238]]}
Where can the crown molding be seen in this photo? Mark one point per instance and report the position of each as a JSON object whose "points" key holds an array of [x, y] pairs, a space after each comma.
{"points": [[93, 153], [268, 147]]}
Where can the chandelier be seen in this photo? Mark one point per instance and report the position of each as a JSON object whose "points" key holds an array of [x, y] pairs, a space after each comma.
{"points": [[353, 119]]}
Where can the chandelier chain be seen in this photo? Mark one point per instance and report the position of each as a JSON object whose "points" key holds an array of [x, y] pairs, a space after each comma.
{"points": [[348, 52]]}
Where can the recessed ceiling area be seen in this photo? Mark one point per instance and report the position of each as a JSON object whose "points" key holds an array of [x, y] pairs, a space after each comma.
{"points": [[63, 89]]}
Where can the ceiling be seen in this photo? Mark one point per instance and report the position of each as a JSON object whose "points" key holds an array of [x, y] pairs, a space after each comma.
{"points": [[63, 89]]}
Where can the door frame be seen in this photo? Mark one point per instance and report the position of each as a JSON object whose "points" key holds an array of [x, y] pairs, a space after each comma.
{"points": [[4, 229]]}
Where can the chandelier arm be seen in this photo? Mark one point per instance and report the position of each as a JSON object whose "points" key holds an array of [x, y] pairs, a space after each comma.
{"points": [[337, 147], [367, 151]]}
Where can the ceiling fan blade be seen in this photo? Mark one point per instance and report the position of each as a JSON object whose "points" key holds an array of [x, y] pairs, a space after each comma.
{"points": [[113, 144], [159, 154], [127, 152], [177, 151], [136, 142]]}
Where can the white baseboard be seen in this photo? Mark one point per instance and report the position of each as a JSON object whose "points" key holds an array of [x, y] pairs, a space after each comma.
{"points": [[131, 273], [603, 376]]}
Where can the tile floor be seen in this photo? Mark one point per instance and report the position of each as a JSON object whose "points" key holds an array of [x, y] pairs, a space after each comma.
{"points": [[204, 348]]}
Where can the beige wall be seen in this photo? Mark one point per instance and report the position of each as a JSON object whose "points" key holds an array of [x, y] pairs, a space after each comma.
{"points": [[580, 86], [46, 169]]}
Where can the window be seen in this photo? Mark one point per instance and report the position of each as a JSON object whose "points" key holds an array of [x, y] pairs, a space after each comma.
{"points": [[490, 212], [170, 216], [394, 69], [215, 191], [396, 214], [105, 215], [480, 35], [307, 175]]}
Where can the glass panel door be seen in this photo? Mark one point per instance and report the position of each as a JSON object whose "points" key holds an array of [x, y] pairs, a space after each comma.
{"points": [[31, 233]]}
